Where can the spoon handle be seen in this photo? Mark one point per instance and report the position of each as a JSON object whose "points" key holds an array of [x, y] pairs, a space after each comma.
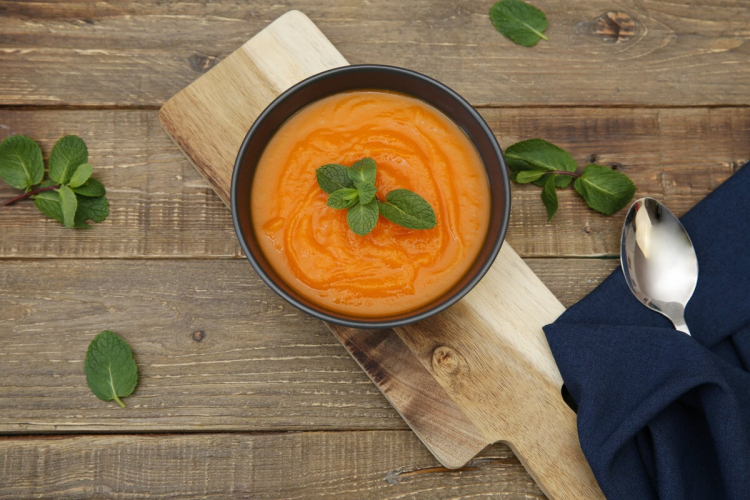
{"points": [[679, 323]]}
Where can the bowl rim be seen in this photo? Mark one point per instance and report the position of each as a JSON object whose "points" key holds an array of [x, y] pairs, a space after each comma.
{"points": [[326, 314]]}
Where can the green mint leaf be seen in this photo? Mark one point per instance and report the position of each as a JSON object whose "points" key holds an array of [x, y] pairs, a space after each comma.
{"points": [[92, 188], [96, 209], [549, 197], [111, 372], [81, 175], [81, 225], [333, 177], [538, 154], [21, 163], [48, 203], [66, 155], [343, 198], [408, 209], [69, 205], [526, 176], [363, 218], [363, 171], [605, 190], [519, 21], [561, 181], [366, 192]]}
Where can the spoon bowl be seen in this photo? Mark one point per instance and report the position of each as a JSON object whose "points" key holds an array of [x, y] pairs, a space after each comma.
{"points": [[658, 260]]}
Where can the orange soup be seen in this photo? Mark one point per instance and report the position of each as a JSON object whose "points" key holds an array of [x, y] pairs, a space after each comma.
{"points": [[392, 269]]}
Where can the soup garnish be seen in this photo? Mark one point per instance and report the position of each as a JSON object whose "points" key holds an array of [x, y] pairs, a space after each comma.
{"points": [[354, 189]]}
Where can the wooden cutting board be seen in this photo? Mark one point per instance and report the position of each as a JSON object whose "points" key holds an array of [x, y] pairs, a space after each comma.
{"points": [[478, 373]]}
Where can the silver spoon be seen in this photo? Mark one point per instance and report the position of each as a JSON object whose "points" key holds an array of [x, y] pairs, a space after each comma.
{"points": [[659, 260]]}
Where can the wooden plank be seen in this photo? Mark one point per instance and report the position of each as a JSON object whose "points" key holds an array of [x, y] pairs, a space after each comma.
{"points": [[260, 365], [684, 52], [161, 207], [341, 465]]}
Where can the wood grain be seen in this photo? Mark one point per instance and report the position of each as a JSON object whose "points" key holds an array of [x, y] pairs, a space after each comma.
{"points": [[261, 365], [682, 52], [209, 119], [487, 352], [494, 333], [161, 207], [331, 465], [257, 368], [419, 398]]}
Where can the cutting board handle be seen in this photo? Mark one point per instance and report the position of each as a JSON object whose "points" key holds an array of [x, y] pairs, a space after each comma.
{"points": [[552, 456], [489, 353]]}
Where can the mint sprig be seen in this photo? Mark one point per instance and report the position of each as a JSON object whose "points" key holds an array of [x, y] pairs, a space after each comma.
{"points": [[550, 167], [70, 195], [353, 188]]}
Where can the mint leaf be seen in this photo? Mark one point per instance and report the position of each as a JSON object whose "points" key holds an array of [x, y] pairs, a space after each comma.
{"points": [[546, 165], [538, 154], [81, 175], [605, 190], [91, 187], [111, 372], [526, 176], [333, 177], [366, 192], [355, 190], [21, 163], [519, 21], [48, 203], [343, 198], [549, 197], [96, 209], [66, 155], [363, 171], [407, 209], [363, 218], [69, 205]]}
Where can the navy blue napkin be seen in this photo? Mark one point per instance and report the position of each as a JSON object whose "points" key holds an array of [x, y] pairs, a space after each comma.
{"points": [[661, 414]]}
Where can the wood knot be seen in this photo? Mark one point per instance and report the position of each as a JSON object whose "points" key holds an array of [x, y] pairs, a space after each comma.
{"points": [[446, 360], [614, 27], [201, 63], [199, 335]]}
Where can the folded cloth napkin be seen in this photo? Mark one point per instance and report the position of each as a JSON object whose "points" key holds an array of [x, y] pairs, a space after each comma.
{"points": [[661, 414]]}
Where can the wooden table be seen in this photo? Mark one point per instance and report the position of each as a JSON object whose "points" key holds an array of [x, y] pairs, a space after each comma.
{"points": [[241, 395]]}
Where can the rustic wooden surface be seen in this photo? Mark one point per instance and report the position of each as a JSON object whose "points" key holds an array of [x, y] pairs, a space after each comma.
{"points": [[326, 465], [162, 207], [682, 52], [669, 104], [446, 376]]}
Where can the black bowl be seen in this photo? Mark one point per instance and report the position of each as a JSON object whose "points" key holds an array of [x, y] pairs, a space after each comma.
{"points": [[362, 77]]}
